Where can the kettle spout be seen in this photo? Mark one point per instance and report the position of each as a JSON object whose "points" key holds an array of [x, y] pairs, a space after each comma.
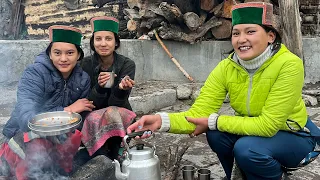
{"points": [[118, 173]]}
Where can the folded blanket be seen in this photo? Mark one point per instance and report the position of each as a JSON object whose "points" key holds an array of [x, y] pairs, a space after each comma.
{"points": [[104, 123]]}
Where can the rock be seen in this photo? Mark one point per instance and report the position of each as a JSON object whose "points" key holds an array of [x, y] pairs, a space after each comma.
{"points": [[98, 168], [311, 92], [309, 100], [227, 100], [183, 92], [309, 19], [195, 94], [71, 4]]}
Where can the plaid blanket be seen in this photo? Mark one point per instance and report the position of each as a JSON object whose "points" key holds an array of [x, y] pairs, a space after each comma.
{"points": [[104, 123]]}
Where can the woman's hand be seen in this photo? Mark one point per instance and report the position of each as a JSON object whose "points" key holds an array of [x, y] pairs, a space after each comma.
{"points": [[104, 77], [202, 125], [126, 83], [80, 105], [146, 122]]}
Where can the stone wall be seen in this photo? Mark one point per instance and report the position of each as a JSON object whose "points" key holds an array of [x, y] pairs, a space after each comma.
{"points": [[309, 11]]}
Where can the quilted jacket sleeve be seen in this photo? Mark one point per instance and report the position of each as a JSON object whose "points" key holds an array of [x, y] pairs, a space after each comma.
{"points": [[209, 101], [29, 96]]}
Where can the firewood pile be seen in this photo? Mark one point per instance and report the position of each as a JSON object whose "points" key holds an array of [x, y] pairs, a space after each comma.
{"points": [[188, 21]]}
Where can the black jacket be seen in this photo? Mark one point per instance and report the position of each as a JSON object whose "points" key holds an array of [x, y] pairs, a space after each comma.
{"points": [[104, 97]]}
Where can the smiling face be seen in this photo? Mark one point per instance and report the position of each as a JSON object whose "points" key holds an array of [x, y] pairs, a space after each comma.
{"points": [[64, 57], [104, 42], [250, 40]]}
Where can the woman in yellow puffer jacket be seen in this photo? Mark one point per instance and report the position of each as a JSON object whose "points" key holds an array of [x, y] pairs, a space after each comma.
{"points": [[264, 80]]}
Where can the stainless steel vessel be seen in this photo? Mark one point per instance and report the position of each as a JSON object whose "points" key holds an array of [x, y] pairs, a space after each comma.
{"points": [[141, 162], [54, 123]]}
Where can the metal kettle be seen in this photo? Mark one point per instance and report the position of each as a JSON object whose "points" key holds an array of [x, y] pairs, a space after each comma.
{"points": [[141, 162]]}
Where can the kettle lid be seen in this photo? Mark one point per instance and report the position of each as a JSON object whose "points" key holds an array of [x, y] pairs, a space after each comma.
{"points": [[140, 152]]}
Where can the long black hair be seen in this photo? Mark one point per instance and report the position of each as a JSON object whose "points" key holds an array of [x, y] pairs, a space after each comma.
{"points": [[79, 49]]}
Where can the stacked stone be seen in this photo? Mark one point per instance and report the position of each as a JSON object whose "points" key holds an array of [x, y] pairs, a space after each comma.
{"points": [[311, 97], [309, 11]]}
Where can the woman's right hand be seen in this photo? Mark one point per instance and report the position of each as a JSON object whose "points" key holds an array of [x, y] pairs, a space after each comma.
{"points": [[80, 105], [103, 78], [146, 122]]}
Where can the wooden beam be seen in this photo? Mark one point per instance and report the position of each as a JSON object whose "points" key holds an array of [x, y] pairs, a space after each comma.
{"points": [[291, 36], [16, 19]]}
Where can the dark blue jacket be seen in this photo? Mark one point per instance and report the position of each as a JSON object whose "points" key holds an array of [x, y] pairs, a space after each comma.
{"points": [[43, 89]]}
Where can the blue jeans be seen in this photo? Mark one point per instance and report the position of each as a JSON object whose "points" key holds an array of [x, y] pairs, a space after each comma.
{"points": [[260, 157]]}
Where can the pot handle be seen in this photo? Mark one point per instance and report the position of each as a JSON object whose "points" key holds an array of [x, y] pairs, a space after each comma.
{"points": [[128, 137]]}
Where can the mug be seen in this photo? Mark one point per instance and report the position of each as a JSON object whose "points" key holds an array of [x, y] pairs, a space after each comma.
{"points": [[188, 172], [204, 174], [110, 82]]}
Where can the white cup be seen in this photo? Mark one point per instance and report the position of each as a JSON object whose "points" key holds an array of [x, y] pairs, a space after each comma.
{"points": [[110, 82]]}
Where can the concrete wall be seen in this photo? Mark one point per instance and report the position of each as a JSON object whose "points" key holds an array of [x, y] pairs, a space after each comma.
{"points": [[151, 60]]}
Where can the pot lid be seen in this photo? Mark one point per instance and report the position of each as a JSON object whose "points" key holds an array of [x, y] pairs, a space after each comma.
{"points": [[140, 152]]}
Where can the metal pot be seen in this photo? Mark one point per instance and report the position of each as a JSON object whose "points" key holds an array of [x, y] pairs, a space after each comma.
{"points": [[54, 123], [141, 162]]}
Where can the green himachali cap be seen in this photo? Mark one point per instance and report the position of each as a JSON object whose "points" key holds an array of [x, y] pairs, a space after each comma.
{"points": [[59, 33], [252, 13], [104, 23]]}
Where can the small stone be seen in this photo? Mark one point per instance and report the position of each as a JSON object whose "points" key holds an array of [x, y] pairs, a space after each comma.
{"points": [[311, 92], [309, 19], [195, 94], [227, 100], [184, 92], [309, 100]]}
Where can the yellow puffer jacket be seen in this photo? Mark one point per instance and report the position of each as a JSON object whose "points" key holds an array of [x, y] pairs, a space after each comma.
{"points": [[265, 102]]}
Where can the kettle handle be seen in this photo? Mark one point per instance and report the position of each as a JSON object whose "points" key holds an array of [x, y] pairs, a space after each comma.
{"points": [[128, 137]]}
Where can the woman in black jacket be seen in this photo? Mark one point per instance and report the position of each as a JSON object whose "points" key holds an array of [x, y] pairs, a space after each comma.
{"points": [[100, 66]]}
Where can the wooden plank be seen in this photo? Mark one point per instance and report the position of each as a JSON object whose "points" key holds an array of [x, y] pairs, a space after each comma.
{"points": [[16, 19], [291, 36]]}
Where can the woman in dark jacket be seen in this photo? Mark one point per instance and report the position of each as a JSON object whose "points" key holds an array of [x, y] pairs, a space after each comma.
{"points": [[99, 66], [103, 43], [55, 82]]}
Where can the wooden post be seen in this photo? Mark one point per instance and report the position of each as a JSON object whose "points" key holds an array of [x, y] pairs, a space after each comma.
{"points": [[291, 33], [16, 18]]}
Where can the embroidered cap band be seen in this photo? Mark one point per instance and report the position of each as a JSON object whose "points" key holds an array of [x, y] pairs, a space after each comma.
{"points": [[59, 33], [104, 23], [252, 13]]}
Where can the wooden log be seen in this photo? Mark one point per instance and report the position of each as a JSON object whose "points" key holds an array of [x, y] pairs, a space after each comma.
{"points": [[291, 36], [217, 11], [132, 25], [171, 12], [227, 7], [186, 5], [192, 20], [134, 3], [203, 17], [207, 5], [131, 13], [223, 31], [174, 32], [147, 14], [152, 23], [16, 18]]}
